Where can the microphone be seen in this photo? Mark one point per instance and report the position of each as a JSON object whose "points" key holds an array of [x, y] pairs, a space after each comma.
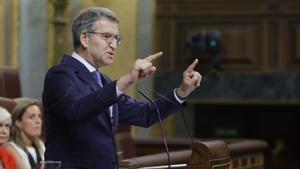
{"points": [[161, 126], [182, 115]]}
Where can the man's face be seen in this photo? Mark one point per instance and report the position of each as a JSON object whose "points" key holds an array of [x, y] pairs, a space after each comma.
{"points": [[102, 43]]}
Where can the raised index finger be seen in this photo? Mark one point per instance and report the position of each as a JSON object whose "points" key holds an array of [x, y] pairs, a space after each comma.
{"points": [[192, 66], [150, 58]]}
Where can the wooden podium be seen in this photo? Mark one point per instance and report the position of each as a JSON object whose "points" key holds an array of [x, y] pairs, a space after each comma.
{"points": [[213, 154]]}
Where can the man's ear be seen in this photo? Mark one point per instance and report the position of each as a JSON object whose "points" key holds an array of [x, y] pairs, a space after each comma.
{"points": [[84, 39]]}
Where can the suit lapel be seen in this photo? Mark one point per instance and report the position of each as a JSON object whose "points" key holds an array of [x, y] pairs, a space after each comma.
{"points": [[81, 71], [106, 80], [116, 117], [88, 79], [95, 86], [86, 76], [104, 120]]}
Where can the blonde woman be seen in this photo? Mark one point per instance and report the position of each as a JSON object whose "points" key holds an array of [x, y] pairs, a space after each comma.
{"points": [[9, 158], [26, 132]]}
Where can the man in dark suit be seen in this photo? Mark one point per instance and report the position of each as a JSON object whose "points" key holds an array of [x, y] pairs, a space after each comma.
{"points": [[82, 108]]}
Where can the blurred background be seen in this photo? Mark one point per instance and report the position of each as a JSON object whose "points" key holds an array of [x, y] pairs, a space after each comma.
{"points": [[248, 51]]}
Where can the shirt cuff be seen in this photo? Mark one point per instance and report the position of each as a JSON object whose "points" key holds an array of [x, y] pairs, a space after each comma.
{"points": [[119, 92], [178, 98]]}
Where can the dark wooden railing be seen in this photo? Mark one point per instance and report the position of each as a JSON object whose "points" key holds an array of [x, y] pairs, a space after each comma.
{"points": [[202, 155]]}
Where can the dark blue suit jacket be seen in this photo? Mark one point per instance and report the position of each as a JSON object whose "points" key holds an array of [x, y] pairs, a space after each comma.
{"points": [[78, 128]]}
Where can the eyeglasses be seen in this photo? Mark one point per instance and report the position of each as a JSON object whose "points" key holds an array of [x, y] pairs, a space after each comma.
{"points": [[108, 37]]}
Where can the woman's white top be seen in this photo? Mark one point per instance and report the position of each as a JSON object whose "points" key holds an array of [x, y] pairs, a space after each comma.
{"points": [[32, 152], [23, 156]]}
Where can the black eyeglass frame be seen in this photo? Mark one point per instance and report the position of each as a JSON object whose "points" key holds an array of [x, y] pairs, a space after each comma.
{"points": [[108, 37]]}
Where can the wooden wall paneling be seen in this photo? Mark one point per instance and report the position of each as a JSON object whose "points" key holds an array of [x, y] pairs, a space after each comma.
{"points": [[240, 42], [210, 1], [292, 45], [185, 56], [163, 42], [211, 9], [283, 45], [256, 36], [241, 46], [290, 6], [241, 36], [290, 1], [264, 42], [272, 45]]}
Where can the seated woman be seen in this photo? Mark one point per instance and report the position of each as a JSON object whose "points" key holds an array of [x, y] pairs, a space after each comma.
{"points": [[8, 157], [26, 132]]}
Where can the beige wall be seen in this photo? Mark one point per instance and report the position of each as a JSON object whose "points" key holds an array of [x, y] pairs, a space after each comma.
{"points": [[1, 32], [50, 34], [9, 32], [127, 52]]}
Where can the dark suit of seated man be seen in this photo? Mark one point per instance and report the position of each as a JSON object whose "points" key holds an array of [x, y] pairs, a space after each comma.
{"points": [[83, 106]]}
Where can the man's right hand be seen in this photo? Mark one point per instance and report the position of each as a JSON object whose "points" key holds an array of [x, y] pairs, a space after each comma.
{"points": [[142, 68]]}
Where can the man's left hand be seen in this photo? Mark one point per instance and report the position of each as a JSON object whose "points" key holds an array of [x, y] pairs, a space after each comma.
{"points": [[191, 80]]}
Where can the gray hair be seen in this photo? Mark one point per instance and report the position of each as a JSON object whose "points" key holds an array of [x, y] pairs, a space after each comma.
{"points": [[85, 20], [4, 114]]}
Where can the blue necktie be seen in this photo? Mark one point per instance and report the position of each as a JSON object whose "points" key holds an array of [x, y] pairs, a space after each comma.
{"points": [[96, 75]]}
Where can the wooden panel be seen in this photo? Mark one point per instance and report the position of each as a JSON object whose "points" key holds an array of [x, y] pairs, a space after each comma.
{"points": [[194, 9], [290, 6], [240, 43], [164, 42], [273, 45], [292, 45], [256, 36]]}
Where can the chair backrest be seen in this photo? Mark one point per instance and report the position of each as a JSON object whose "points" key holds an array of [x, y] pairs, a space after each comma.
{"points": [[9, 82], [7, 103]]}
